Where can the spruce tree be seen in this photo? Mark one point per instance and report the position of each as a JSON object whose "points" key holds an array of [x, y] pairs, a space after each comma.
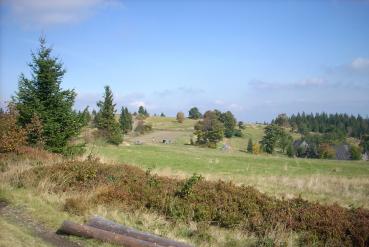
{"points": [[43, 96], [125, 120], [105, 118], [249, 146]]}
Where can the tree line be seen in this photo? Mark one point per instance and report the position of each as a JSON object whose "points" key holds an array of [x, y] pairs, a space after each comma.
{"points": [[341, 124]]}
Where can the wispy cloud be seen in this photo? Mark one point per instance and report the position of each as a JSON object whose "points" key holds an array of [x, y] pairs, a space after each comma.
{"points": [[179, 91], [360, 64], [302, 84], [358, 67], [53, 12]]}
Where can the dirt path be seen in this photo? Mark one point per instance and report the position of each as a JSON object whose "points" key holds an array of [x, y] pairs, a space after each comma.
{"points": [[18, 217]]}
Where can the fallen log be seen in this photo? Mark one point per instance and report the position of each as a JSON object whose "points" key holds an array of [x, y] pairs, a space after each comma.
{"points": [[102, 223], [79, 230]]}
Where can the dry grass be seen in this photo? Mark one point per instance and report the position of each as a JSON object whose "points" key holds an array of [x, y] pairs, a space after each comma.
{"points": [[345, 191], [17, 236]]}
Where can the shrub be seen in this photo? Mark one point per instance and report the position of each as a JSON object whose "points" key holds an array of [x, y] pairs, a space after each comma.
{"points": [[355, 152], [228, 133], [142, 127], [237, 133], [180, 117], [326, 151], [256, 148], [290, 152], [249, 146], [12, 136], [218, 203], [74, 150]]}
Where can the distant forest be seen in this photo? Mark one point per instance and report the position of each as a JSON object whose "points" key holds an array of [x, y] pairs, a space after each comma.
{"points": [[344, 124]]}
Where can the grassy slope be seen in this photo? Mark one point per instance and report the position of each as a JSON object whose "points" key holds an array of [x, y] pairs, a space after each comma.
{"points": [[322, 180]]}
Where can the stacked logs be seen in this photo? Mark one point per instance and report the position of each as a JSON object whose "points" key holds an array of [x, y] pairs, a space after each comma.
{"points": [[108, 231]]}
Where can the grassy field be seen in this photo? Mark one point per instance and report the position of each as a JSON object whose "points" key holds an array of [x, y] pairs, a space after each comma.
{"points": [[324, 181], [328, 181]]}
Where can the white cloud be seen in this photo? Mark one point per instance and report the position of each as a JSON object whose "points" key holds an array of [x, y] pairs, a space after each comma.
{"points": [[302, 84], [236, 107], [219, 102], [52, 12], [138, 103], [360, 64]]}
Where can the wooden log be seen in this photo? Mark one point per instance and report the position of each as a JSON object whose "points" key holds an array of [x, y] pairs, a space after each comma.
{"points": [[101, 223], [79, 230]]}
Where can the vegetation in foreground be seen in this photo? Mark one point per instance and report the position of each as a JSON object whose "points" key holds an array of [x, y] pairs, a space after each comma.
{"points": [[220, 204]]}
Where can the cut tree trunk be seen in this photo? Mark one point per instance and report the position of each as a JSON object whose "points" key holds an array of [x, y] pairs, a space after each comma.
{"points": [[101, 223], [72, 228]]}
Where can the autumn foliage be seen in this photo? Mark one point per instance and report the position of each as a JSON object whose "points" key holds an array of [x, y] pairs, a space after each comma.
{"points": [[213, 203], [12, 136]]}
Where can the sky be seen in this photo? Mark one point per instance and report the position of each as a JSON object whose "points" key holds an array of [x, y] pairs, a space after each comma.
{"points": [[254, 58]]}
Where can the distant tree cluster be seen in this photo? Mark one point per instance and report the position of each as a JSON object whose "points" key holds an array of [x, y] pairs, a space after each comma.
{"points": [[210, 130], [216, 125], [194, 113], [142, 112], [341, 124], [275, 136]]}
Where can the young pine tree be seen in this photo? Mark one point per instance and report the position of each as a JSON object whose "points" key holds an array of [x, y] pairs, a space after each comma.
{"points": [[43, 96], [249, 146], [125, 120], [105, 119]]}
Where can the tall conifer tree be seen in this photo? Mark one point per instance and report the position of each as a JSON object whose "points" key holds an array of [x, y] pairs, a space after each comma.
{"points": [[43, 96]]}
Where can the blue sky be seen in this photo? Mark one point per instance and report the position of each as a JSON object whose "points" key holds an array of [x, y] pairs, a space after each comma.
{"points": [[255, 58]]}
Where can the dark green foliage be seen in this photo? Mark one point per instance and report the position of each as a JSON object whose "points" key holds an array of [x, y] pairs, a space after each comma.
{"points": [[42, 95], [249, 146], [237, 133], [355, 152], [162, 114], [187, 186], [271, 136], [342, 124], [364, 143], [241, 125], [105, 119], [228, 133], [114, 134], [229, 122], [143, 112], [212, 203], [125, 120], [85, 117], [290, 151], [210, 130], [194, 113]]}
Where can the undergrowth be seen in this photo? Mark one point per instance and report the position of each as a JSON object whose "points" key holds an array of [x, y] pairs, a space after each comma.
{"points": [[208, 203]]}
